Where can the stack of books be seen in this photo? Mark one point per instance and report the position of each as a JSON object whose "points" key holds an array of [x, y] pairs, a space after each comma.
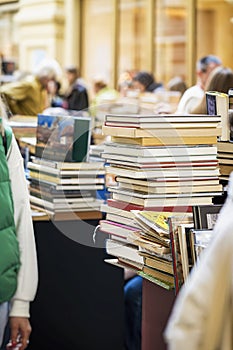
{"points": [[65, 187], [225, 159], [63, 181], [162, 163]]}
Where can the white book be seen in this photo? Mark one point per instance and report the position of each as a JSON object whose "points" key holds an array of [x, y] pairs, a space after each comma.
{"points": [[112, 210], [167, 159], [163, 202], [160, 173], [159, 151], [122, 250]]}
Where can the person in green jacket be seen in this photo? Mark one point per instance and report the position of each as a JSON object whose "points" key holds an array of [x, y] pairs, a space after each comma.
{"points": [[18, 261]]}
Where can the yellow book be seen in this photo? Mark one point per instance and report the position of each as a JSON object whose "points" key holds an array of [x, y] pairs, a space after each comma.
{"points": [[162, 141], [167, 133]]}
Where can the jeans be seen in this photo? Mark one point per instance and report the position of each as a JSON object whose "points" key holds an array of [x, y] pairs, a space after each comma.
{"points": [[133, 313], [3, 319]]}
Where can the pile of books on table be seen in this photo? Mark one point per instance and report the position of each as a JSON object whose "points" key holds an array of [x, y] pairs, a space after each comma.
{"points": [[163, 164], [63, 181]]}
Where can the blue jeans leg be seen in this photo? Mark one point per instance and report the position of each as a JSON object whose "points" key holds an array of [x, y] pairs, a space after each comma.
{"points": [[133, 313]]}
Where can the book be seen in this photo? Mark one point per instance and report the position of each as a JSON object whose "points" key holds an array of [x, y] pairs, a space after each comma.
{"points": [[174, 222], [163, 202], [183, 188], [169, 141], [146, 242], [82, 169], [49, 163], [63, 138], [162, 119], [155, 220], [226, 169], [122, 250], [205, 216], [115, 228], [129, 206], [202, 238], [164, 165], [218, 103], [177, 172], [165, 277], [170, 182], [162, 196], [166, 126], [160, 133], [105, 208], [70, 215], [176, 158], [121, 219], [151, 233], [68, 205], [158, 151], [158, 263], [185, 248], [88, 184], [85, 177], [225, 147]]}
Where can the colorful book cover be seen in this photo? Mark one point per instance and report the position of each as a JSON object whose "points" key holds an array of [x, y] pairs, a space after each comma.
{"points": [[63, 138]]}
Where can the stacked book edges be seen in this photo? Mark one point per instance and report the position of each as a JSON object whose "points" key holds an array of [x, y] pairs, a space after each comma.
{"points": [[144, 241], [162, 164], [156, 130], [225, 159], [66, 189]]}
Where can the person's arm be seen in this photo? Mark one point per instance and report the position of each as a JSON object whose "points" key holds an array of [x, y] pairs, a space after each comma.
{"points": [[28, 274], [199, 315]]}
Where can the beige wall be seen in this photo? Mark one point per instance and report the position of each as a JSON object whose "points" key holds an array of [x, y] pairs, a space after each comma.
{"points": [[55, 28], [41, 31]]}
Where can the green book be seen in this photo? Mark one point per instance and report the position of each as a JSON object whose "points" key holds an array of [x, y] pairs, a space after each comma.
{"points": [[63, 138]]}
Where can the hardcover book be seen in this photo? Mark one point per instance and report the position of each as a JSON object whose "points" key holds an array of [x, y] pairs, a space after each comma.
{"points": [[63, 138], [218, 103]]}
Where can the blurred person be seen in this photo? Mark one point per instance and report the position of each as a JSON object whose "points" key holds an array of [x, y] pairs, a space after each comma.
{"points": [[193, 95], [102, 92], [104, 97], [76, 95], [145, 82], [28, 96], [56, 99], [202, 316], [221, 80], [177, 84], [133, 311], [18, 261]]}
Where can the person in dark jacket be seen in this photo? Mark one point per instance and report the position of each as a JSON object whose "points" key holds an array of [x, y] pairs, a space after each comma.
{"points": [[145, 82], [76, 96]]}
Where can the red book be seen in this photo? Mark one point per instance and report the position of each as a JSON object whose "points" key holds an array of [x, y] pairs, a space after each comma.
{"points": [[128, 206]]}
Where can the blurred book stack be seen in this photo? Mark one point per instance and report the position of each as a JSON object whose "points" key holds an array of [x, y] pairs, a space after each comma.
{"points": [[225, 159], [162, 163], [63, 181]]}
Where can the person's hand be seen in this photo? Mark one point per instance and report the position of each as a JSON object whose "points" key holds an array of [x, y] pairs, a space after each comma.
{"points": [[20, 329]]}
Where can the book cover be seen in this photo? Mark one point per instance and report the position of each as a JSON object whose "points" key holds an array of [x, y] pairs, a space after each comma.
{"points": [[205, 216], [218, 103], [63, 138]]}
